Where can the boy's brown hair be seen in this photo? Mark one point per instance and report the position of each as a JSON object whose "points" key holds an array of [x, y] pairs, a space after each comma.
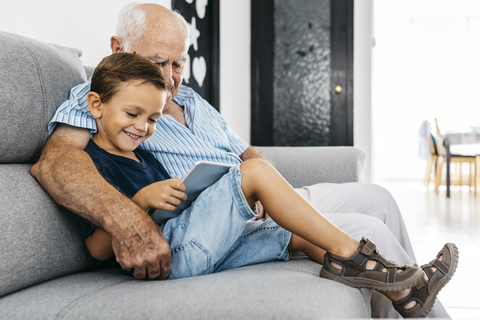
{"points": [[119, 68]]}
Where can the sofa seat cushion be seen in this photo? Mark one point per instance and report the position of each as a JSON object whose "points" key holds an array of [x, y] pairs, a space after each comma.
{"points": [[280, 290]]}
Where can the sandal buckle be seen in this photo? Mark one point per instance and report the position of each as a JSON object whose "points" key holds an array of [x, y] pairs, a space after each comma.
{"points": [[368, 247]]}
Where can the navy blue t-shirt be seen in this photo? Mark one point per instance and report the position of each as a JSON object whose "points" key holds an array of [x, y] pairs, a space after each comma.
{"points": [[127, 175]]}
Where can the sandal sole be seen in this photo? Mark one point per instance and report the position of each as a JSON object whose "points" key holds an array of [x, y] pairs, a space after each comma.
{"points": [[427, 307], [358, 282]]}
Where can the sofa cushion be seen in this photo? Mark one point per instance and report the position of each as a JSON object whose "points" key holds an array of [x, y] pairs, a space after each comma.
{"points": [[36, 78], [39, 239], [274, 290]]}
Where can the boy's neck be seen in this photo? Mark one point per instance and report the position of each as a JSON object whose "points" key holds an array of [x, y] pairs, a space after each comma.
{"points": [[126, 154]]}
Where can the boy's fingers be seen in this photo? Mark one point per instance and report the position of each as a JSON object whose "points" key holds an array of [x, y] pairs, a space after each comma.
{"points": [[179, 195], [178, 184], [174, 201]]}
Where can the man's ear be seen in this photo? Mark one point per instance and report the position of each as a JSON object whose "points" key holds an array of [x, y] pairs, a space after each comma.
{"points": [[95, 104], [116, 44]]}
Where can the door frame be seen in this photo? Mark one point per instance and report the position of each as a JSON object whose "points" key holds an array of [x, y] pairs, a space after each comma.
{"points": [[262, 80]]}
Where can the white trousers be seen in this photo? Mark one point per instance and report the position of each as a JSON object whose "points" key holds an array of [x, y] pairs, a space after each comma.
{"points": [[368, 210]]}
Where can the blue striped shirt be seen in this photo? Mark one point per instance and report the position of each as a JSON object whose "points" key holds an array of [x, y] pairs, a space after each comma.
{"points": [[177, 147]]}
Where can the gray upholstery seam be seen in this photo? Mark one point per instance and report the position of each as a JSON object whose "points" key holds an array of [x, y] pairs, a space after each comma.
{"points": [[63, 313], [42, 89]]}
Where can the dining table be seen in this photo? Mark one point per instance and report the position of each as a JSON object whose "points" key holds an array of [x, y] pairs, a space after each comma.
{"points": [[457, 138]]}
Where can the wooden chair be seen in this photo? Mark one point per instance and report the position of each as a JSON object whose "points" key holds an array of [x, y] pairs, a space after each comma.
{"points": [[457, 160], [431, 164]]}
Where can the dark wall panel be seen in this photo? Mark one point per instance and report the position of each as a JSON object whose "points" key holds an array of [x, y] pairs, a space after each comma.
{"points": [[302, 73]]}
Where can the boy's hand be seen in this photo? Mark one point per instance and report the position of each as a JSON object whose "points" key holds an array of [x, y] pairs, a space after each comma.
{"points": [[261, 213], [165, 195]]}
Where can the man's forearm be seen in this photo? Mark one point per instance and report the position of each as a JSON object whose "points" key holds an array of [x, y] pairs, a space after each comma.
{"points": [[71, 178]]}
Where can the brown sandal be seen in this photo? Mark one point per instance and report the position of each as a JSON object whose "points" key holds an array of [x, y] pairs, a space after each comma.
{"points": [[425, 294], [355, 274]]}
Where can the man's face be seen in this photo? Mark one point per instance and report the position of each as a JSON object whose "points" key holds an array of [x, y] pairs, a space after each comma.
{"points": [[168, 50]]}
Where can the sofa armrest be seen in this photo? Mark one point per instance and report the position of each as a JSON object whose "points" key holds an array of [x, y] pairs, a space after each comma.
{"points": [[304, 166]]}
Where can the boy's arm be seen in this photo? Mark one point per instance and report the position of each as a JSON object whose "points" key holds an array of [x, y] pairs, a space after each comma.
{"points": [[69, 175], [99, 244], [164, 195]]}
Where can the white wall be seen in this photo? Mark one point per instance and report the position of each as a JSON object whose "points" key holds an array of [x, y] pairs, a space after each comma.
{"points": [[89, 24], [86, 25], [362, 97], [235, 65]]}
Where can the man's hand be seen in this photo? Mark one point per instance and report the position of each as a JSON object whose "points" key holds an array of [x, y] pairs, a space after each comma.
{"points": [[145, 251], [165, 195]]}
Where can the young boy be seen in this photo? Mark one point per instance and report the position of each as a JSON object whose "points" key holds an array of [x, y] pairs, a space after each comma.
{"points": [[127, 96]]}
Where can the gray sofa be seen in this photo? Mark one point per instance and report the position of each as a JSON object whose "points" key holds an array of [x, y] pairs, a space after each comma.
{"points": [[45, 270]]}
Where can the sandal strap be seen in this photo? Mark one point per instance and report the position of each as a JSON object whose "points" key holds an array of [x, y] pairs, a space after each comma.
{"points": [[391, 275], [441, 266], [419, 295], [379, 267], [366, 250]]}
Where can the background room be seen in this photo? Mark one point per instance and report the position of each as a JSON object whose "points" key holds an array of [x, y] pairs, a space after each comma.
{"points": [[418, 58], [424, 66]]}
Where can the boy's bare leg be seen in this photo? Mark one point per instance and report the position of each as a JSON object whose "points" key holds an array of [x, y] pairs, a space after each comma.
{"points": [[312, 233], [260, 181]]}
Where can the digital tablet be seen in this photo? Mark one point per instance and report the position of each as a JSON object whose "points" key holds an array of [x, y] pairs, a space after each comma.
{"points": [[201, 176]]}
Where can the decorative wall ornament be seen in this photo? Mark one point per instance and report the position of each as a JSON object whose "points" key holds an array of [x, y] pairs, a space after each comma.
{"points": [[201, 72]]}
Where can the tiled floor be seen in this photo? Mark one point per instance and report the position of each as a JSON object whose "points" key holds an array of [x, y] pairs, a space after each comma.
{"points": [[432, 220]]}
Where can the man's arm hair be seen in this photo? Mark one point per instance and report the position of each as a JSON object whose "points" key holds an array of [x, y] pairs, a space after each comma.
{"points": [[69, 175]]}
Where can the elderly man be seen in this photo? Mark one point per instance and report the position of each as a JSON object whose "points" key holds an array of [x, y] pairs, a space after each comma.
{"points": [[190, 130]]}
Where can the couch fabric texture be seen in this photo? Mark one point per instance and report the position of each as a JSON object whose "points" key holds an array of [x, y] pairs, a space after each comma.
{"points": [[46, 271]]}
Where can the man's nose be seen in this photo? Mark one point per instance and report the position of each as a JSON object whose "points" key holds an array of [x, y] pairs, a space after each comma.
{"points": [[168, 75]]}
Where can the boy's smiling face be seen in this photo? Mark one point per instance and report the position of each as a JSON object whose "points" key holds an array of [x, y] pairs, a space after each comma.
{"points": [[128, 118]]}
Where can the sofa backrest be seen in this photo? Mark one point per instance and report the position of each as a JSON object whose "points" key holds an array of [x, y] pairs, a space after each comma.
{"points": [[38, 239], [35, 79]]}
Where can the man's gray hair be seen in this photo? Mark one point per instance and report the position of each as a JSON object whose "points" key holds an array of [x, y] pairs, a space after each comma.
{"points": [[131, 25]]}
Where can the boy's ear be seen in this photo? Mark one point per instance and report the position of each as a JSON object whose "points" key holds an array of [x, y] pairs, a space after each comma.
{"points": [[94, 104]]}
